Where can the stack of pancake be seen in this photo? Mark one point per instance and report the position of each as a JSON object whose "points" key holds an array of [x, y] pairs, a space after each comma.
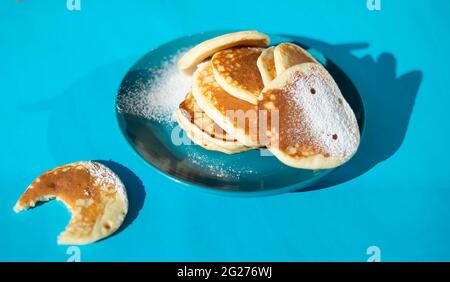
{"points": [[245, 96]]}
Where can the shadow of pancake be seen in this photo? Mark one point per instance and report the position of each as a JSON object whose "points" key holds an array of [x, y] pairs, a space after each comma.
{"points": [[388, 102], [135, 191]]}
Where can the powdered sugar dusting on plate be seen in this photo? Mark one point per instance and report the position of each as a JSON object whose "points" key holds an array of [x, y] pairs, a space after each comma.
{"points": [[218, 169], [158, 97]]}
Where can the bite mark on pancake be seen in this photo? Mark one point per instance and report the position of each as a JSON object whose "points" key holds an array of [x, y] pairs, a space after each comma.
{"points": [[92, 193]]}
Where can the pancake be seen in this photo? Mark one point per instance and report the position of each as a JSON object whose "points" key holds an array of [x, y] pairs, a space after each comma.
{"points": [[317, 129], [94, 195], [235, 70], [206, 144], [189, 61], [203, 131], [266, 65], [287, 55], [237, 117]]}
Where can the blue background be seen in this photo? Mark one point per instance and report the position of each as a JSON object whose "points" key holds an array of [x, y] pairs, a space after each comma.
{"points": [[60, 71]]}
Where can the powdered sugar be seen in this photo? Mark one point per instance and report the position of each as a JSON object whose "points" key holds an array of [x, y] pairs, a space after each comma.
{"points": [[107, 180], [218, 169], [329, 118], [157, 98]]}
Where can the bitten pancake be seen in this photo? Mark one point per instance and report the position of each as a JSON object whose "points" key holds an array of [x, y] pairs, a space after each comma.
{"points": [[188, 63], [266, 65], [237, 117], [204, 131], [287, 55], [235, 70], [317, 128], [93, 194]]}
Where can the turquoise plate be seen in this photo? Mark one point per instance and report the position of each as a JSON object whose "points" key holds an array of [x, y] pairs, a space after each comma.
{"points": [[243, 174]]}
